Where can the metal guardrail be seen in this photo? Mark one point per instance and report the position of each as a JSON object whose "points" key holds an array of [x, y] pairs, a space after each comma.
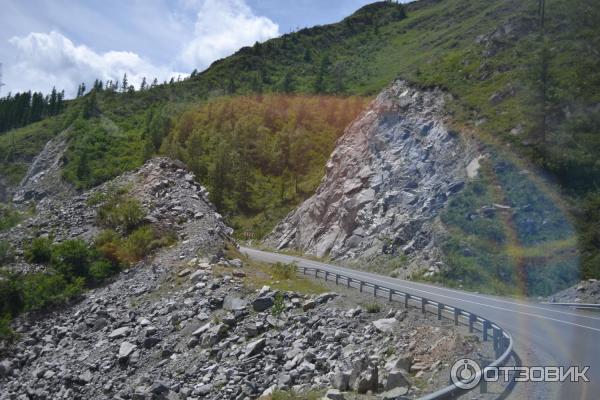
{"points": [[583, 306], [502, 340]]}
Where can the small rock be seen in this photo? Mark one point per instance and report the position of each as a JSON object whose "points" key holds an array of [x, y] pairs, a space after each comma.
{"points": [[325, 297], [394, 394], [234, 303], [309, 305], [120, 332], [386, 325], [334, 394], [214, 335], [85, 378], [262, 303], [404, 362], [197, 276], [202, 329], [125, 350], [396, 378], [184, 272], [5, 368], [340, 380], [238, 274], [255, 347]]}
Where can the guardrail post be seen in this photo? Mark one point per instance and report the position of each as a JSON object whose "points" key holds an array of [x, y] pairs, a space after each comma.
{"points": [[457, 313], [349, 280], [361, 285], [391, 294], [303, 270], [497, 337], [505, 343], [483, 388], [406, 298], [439, 311], [337, 278], [375, 290], [423, 305], [316, 273], [326, 275], [471, 322], [485, 327]]}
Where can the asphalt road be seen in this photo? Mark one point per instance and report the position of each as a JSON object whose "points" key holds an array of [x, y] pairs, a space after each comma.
{"points": [[543, 335]]}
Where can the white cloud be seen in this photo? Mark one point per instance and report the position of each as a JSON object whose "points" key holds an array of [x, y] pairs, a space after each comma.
{"points": [[222, 27], [202, 31], [51, 59]]}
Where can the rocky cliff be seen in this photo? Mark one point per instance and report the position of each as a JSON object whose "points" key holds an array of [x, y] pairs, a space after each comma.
{"points": [[395, 167]]}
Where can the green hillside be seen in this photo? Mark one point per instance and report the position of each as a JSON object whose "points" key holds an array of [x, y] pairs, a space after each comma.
{"points": [[518, 80]]}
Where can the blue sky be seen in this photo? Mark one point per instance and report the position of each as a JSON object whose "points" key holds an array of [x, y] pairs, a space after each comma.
{"points": [[45, 43]]}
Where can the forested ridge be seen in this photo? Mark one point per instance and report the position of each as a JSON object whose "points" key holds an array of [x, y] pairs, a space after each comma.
{"points": [[523, 79]]}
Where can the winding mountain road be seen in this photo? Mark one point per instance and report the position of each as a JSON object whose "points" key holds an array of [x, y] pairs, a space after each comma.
{"points": [[543, 335]]}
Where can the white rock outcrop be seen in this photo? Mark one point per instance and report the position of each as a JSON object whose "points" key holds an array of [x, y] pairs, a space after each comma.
{"points": [[393, 170]]}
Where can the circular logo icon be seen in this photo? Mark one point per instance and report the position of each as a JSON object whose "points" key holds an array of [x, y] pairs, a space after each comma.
{"points": [[465, 373]]}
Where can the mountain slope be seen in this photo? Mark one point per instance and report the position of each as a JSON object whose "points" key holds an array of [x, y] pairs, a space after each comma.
{"points": [[518, 80]]}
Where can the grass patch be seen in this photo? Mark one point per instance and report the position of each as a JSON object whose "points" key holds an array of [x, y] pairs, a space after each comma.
{"points": [[292, 395], [372, 308], [259, 274], [9, 217]]}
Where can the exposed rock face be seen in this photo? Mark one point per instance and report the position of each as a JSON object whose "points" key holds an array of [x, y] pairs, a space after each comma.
{"points": [[392, 171], [43, 178]]}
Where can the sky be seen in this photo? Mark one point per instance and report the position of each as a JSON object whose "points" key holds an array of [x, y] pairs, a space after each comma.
{"points": [[62, 43]]}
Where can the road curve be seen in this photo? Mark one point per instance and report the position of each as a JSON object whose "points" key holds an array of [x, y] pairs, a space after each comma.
{"points": [[543, 334]]}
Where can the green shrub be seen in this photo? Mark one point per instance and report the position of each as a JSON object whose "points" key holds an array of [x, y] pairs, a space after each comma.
{"points": [[72, 258], [43, 290], [138, 244], [6, 332], [108, 243], [278, 304], [11, 295], [9, 217], [283, 271], [100, 270], [121, 213], [6, 252], [39, 251]]}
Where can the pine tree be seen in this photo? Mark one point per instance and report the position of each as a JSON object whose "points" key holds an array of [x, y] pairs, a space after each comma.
{"points": [[90, 107], [124, 85], [52, 103], [143, 84]]}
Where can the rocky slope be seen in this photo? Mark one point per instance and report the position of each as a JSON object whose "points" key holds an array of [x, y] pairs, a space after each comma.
{"points": [[395, 167], [167, 191], [587, 291], [186, 323], [192, 330]]}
